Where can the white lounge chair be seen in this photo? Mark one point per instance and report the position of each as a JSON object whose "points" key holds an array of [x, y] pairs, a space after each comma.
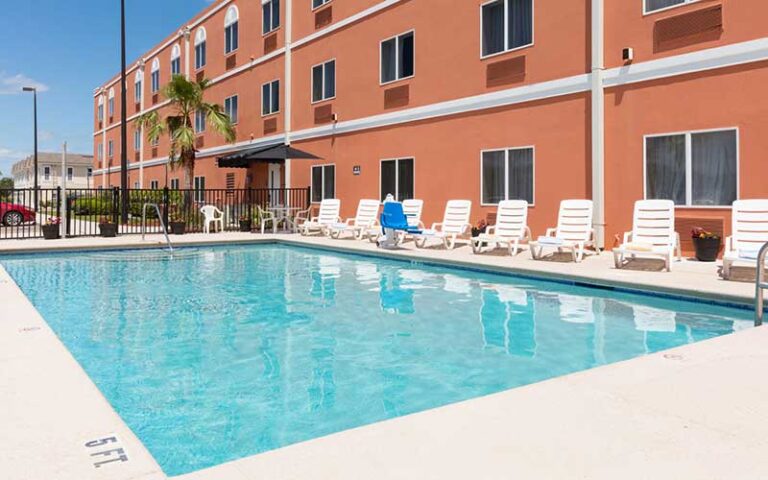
{"points": [[574, 231], [212, 216], [328, 215], [749, 232], [412, 209], [653, 234], [455, 223], [511, 228], [362, 224]]}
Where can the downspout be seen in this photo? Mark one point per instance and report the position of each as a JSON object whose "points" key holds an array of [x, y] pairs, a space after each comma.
{"points": [[186, 34], [598, 120], [141, 108], [288, 85], [105, 172]]}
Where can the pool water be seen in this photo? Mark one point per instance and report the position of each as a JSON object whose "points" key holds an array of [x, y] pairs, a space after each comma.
{"points": [[233, 351]]}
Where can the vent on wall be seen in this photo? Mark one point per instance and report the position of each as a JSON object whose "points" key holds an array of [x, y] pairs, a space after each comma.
{"points": [[270, 125], [231, 62], [505, 72], [688, 29], [684, 225], [324, 17], [200, 75], [200, 142], [230, 181], [324, 114], [137, 107], [270, 43], [136, 156], [397, 97]]}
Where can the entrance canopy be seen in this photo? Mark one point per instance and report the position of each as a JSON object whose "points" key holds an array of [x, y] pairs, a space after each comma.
{"points": [[269, 154]]}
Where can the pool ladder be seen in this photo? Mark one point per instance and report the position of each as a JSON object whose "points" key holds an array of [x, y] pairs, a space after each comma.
{"points": [[760, 286], [162, 223]]}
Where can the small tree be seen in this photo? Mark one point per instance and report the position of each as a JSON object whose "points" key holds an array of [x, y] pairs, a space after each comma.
{"points": [[186, 98], [6, 185]]}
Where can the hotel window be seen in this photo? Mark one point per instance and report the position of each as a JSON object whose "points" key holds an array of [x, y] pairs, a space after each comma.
{"points": [[200, 121], [200, 41], [397, 57], [70, 173], [110, 149], [154, 184], [507, 175], [230, 108], [136, 185], [100, 151], [319, 3], [111, 102], [397, 178], [137, 139], [270, 10], [323, 182], [270, 98], [199, 189], [176, 60], [46, 173], [90, 172], [693, 169], [174, 184], [506, 25], [656, 5], [155, 76], [230, 30], [137, 86], [155, 141], [324, 81], [100, 110]]}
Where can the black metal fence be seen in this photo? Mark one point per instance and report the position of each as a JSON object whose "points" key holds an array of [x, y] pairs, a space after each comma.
{"points": [[22, 213]]}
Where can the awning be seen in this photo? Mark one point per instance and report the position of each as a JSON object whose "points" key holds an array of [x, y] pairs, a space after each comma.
{"points": [[269, 154]]}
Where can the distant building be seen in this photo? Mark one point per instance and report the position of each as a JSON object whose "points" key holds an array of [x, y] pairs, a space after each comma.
{"points": [[79, 171]]}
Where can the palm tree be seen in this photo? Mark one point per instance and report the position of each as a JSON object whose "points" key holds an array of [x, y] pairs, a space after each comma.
{"points": [[186, 98]]}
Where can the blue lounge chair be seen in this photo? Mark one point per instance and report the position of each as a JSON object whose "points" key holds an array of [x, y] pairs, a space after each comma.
{"points": [[393, 220]]}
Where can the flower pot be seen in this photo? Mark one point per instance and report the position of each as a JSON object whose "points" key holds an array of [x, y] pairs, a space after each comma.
{"points": [[245, 225], [108, 230], [178, 228], [707, 249], [50, 232]]}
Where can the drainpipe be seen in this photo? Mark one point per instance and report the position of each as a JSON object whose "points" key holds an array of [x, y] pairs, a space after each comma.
{"points": [[598, 120], [141, 65], [105, 172], [288, 86], [185, 32]]}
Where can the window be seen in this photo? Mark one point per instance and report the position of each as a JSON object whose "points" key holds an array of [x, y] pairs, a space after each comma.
{"points": [[110, 149], [397, 58], [230, 108], [47, 173], [100, 109], [154, 141], [397, 178], [70, 173], [693, 169], [176, 60], [137, 86], [270, 10], [154, 184], [136, 185], [506, 25], [270, 98], [650, 6], [174, 184], [507, 175], [323, 182], [200, 120], [89, 172], [324, 81], [319, 3], [111, 102], [100, 151], [230, 30], [155, 76], [200, 40], [137, 139], [200, 189]]}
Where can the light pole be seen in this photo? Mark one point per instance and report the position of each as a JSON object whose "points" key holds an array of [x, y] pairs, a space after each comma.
{"points": [[34, 93], [123, 122]]}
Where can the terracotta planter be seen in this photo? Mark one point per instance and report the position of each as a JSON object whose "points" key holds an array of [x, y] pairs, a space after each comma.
{"points": [[707, 249], [50, 232], [108, 230]]}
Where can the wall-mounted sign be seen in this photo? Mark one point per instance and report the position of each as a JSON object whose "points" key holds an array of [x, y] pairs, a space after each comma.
{"points": [[356, 170]]}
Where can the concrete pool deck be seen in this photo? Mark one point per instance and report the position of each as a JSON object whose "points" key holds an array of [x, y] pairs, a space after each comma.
{"points": [[692, 412]]}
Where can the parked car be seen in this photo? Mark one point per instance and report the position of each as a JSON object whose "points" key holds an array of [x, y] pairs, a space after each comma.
{"points": [[12, 214]]}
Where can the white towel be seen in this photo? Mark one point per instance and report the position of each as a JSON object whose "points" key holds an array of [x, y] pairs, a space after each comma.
{"points": [[546, 240]]}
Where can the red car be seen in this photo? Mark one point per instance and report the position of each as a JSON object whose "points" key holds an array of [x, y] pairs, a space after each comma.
{"points": [[12, 214]]}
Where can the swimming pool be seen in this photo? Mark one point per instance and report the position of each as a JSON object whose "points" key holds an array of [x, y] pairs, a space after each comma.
{"points": [[232, 351]]}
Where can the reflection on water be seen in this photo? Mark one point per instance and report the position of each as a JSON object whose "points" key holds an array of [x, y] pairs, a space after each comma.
{"points": [[245, 349]]}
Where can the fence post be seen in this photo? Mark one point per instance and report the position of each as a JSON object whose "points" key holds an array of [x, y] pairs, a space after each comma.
{"points": [[58, 204], [68, 215], [309, 200], [115, 205], [166, 206]]}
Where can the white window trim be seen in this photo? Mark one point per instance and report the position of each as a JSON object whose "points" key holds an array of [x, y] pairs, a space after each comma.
{"points": [[397, 178], [689, 165], [322, 182], [647, 12], [506, 174], [201, 132], [261, 92], [325, 2], [312, 81], [227, 24], [272, 30], [238, 108], [397, 58], [506, 28], [137, 135]]}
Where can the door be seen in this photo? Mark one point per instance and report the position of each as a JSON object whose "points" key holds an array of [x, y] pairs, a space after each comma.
{"points": [[274, 184]]}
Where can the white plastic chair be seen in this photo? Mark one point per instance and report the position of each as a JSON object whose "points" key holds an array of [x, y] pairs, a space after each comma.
{"points": [[266, 217], [455, 223], [328, 215], [511, 228], [653, 234], [574, 231], [362, 224], [212, 215], [749, 231]]}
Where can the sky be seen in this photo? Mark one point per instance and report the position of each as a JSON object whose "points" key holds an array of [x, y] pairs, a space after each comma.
{"points": [[66, 50]]}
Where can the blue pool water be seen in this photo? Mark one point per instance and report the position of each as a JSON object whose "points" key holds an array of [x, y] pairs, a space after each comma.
{"points": [[229, 352]]}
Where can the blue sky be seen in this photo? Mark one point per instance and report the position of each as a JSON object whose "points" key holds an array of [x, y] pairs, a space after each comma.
{"points": [[67, 51]]}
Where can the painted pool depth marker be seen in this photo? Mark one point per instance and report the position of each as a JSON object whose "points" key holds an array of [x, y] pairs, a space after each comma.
{"points": [[111, 453]]}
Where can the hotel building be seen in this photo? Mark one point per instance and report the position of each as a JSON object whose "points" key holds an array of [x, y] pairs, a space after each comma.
{"points": [[545, 100]]}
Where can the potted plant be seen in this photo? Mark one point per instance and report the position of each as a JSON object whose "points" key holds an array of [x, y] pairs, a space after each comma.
{"points": [[107, 228], [51, 228], [706, 244], [481, 227], [245, 223], [177, 224]]}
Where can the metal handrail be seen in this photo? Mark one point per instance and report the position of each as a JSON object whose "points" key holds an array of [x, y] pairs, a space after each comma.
{"points": [[162, 223], [760, 285]]}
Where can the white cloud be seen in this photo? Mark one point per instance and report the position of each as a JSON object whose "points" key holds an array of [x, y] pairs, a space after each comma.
{"points": [[12, 84]]}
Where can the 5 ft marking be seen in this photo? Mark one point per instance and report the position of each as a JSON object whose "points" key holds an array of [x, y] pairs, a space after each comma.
{"points": [[108, 451]]}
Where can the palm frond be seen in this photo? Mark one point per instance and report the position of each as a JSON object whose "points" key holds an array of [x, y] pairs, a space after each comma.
{"points": [[219, 121]]}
